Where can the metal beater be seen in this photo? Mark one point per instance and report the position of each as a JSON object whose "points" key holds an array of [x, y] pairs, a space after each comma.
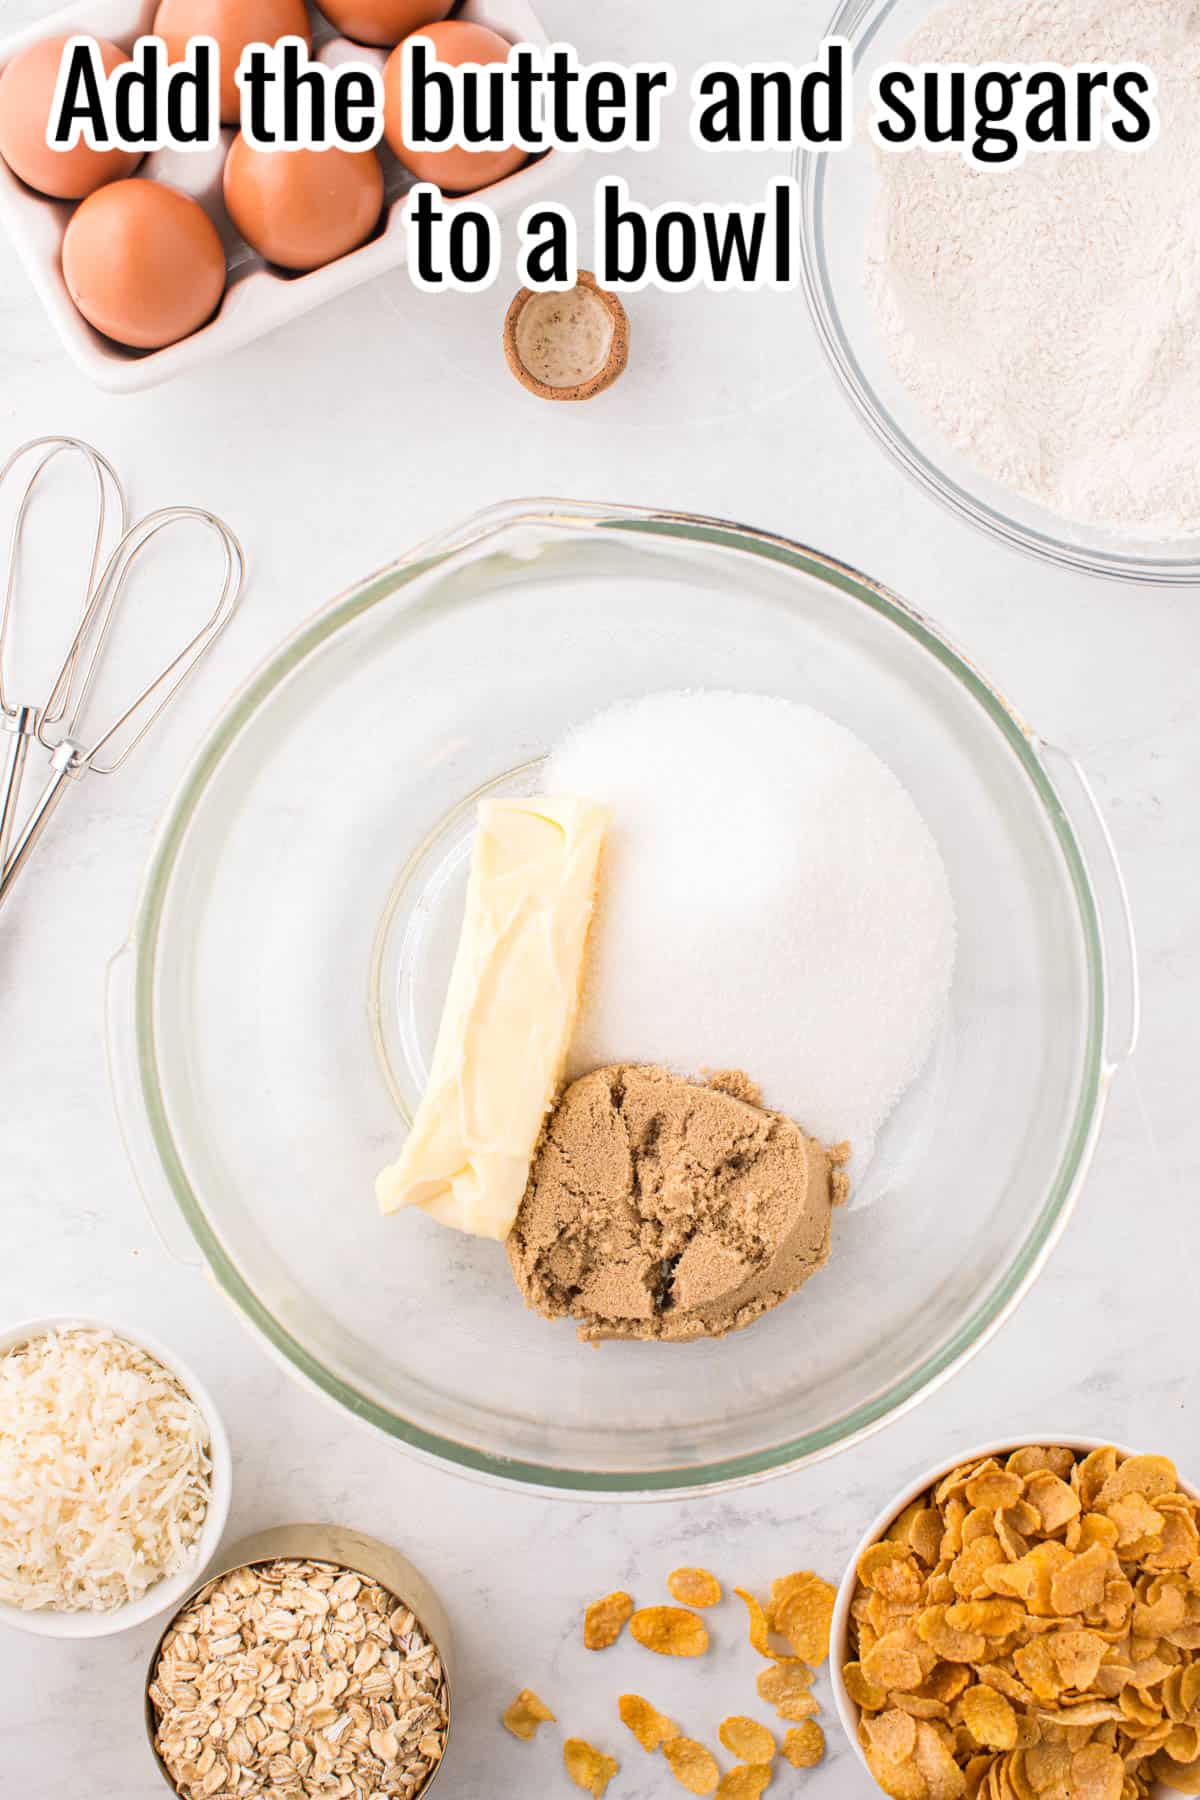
{"points": [[19, 721], [59, 723]]}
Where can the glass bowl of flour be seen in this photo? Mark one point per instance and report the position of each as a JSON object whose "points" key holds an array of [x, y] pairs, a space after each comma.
{"points": [[1025, 340]]}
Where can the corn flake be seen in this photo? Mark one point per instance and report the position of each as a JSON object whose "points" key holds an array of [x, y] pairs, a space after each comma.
{"points": [[1052, 1500], [650, 1727], [994, 1488], [893, 1734], [1078, 1655], [525, 1714], [804, 1612], [1097, 1773], [693, 1767], [1147, 1475], [989, 1718], [604, 1620], [783, 1681], [694, 1587], [589, 1768], [746, 1782], [797, 1706], [760, 1630], [669, 1631], [943, 1778], [747, 1739], [894, 1662], [865, 1695], [804, 1747]]}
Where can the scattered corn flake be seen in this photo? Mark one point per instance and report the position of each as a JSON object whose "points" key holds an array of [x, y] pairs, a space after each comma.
{"points": [[797, 1706], [805, 1746], [746, 1738], [693, 1767], [669, 1631], [804, 1613], [525, 1714], [784, 1586], [784, 1681], [589, 1768], [650, 1727], [605, 1619], [759, 1629], [694, 1587], [746, 1782]]}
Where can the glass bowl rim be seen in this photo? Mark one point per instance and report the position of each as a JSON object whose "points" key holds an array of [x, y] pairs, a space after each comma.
{"points": [[147, 1094], [857, 21]]}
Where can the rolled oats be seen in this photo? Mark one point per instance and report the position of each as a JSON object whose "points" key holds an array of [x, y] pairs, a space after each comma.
{"points": [[296, 1679]]}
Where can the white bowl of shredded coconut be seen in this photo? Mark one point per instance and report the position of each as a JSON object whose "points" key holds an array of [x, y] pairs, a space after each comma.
{"points": [[115, 1477]]}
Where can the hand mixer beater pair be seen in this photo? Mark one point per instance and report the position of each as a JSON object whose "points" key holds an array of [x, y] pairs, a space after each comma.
{"points": [[58, 723]]}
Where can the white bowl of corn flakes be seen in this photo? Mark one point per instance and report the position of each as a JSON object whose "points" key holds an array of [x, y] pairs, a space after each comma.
{"points": [[1023, 1623]]}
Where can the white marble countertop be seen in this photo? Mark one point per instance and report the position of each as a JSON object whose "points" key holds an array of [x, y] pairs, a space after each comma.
{"points": [[318, 444]]}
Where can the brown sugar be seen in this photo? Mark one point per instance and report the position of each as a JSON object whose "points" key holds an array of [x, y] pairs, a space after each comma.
{"points": [[661, 1208]]}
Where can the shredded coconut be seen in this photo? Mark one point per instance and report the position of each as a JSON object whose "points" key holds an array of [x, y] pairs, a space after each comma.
{"points": [[1046, 318], [104, 1472]]}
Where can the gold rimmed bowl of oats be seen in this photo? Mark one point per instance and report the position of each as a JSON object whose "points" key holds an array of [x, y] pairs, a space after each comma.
{"points": [[1025, 1621], [314, 1662]]}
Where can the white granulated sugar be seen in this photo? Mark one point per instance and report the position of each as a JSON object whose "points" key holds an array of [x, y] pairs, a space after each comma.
{"points": [[1047, 317], [771, 901]]}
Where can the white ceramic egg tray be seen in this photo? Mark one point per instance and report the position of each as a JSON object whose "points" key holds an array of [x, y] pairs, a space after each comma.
{"points": [[258, 297]]}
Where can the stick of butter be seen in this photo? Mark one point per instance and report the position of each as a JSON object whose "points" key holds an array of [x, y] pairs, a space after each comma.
{"points": [[508, 1017]]}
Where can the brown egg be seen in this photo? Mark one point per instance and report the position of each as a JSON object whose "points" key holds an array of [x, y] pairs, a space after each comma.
{"points": [[302, 208], [233, 24], [143, 263], [26, 96], [454, 171], [383, 21]]}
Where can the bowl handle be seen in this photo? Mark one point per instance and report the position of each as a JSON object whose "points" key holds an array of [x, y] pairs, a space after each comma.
{"points": [[1118, 939], [121, 1045]]}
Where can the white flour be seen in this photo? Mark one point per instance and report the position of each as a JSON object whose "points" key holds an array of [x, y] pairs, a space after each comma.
{"points": [[1047, 317]]}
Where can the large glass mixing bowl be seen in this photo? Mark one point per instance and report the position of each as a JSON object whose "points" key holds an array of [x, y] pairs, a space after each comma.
{"points": [[837, 193], [273, 1012]]}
